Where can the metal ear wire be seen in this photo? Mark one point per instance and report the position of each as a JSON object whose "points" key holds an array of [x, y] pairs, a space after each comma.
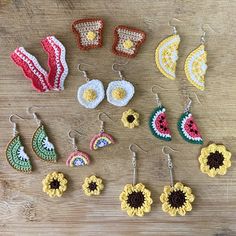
{"points": [[14, 130], [102, 122], [189, 102], [75, 147], [118, 71], [203, 28], [156, 94], [29, 111], [171, 25], [85, 74]]}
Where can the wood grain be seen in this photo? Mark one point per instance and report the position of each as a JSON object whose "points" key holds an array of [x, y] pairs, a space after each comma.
{"points": [[26, 210]]}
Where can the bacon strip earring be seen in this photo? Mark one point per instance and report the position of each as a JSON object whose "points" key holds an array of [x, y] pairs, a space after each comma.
{"points": [[102, 139], [90, 94], [119, 92], [15, 153], [176, 198], [166, 55], [158, 122], [135, 198], [76, 158], [41, 145]]}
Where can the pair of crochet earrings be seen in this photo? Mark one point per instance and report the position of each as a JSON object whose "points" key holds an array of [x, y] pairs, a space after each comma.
{"points": [[187, 127], [42, 147], [91, 94], [136, 198], [195, 67]]}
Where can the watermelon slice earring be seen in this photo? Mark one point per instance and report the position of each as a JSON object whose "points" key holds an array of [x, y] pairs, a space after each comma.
{"points": [[77, 157], [158, 122], [102, 139], [15, 153], [41, 145]]}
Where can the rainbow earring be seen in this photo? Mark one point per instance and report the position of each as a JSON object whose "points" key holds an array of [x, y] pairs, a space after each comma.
{"points": [[76, 158], [15, 153], [176, 198], [195, 64], [166, 54], [135, 198], [102, 139], [41, 145], [158, 122]]}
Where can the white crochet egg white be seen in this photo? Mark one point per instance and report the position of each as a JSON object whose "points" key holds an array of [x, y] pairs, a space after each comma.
{"points": [[91, 94], [120, 92]]}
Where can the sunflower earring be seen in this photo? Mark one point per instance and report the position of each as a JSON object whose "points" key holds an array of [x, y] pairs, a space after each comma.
{"points": [[15, 153], [76, 158], [102, 139], [158, 122], [195, 65], [90, 94], [176, 198], [166, 54], [135, 198], [119, 92], [41, 145]]}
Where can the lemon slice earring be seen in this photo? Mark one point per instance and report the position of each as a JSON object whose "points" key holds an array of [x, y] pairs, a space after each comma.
{"points": [[119, 92], [176, 197], [90, 94], [166, 54], [196, 65], [135, 198]]}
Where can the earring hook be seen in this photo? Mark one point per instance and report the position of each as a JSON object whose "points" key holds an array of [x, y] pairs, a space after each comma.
{"points": [[119, 71], [85, 74], [102, 122], [203, 28], [134, 144], [171, 25], [75, 147], [156, 94], [14, 130], [29, 111], [165, 153]]}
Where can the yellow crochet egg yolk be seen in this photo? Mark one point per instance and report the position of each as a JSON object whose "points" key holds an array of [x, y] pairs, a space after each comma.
{"points": [[128, 44], [89, 95], [118, 93], [91, 35]]}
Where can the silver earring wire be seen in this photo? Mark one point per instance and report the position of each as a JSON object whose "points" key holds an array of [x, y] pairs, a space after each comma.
{"points": [[30, 112], [14, 129], [189, 102], [174, 29], [102, 122], [134, 161], [118, 71], [85, 74], [156, 94], [169, 163], [203, 36], [72, 138]]}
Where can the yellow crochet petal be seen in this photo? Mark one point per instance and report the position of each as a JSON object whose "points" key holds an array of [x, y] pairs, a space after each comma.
{"points": [[167, 189], [172, 211], [163, 197], [212, 172], [139, 187], [179, 185], [222, 170], [140, 212], [166, 207], [181, 211], [188, 206], [187, 190], [131, 211], [190, 197]]}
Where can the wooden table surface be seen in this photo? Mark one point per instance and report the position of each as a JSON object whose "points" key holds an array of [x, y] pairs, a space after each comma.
{"points": [[26, 210]]}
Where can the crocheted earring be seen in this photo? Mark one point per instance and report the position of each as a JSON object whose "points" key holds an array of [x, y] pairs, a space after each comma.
{"points": [[76, 158], [195, 65], [90, 94], [187, 127], [15, 153], [135, 198], [166, 54], [158, 122], [41, 145], [102, 139], [176, 198], [119, 92]]}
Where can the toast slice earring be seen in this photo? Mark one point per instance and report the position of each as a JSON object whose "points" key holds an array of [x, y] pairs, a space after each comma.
{"points": [[90, 94], [15, 154], [176, 198], [41, 145], [166, 54], [119, 92], [76, 158], [158, 122], [135, 198], [102, 139]]}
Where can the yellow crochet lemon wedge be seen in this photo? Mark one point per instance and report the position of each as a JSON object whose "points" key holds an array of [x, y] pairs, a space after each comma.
{"points": [[195, 67], [166, 56]]}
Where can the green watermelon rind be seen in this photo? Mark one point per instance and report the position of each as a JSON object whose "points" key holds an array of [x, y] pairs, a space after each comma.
{"points": [[182, 117], [157, 109]]}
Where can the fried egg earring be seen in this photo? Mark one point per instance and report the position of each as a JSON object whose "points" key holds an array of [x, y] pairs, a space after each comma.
{"points": [[166, 55], [195, 65], [119, 92], [91, 93]]}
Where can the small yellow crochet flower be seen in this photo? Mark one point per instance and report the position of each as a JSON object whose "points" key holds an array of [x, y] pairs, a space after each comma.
{"points": [[136, 199], [54, 184], [92, 185], [214, 159], [177, 199], [128, 44], [130, 119], [91, 35]]}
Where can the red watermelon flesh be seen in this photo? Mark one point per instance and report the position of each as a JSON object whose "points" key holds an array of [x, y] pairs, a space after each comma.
{"points": [[191, 128], [162, 124]]}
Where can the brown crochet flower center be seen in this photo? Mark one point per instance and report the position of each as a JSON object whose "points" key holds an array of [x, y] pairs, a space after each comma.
{"points": [[130, 118], [215, 160], [55, 184], [136, 199], [177, 199], [92, 186]]}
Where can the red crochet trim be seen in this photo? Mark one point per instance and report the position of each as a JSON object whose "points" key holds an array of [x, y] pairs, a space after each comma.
{"points": [[79, 36], [117, 38]]}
